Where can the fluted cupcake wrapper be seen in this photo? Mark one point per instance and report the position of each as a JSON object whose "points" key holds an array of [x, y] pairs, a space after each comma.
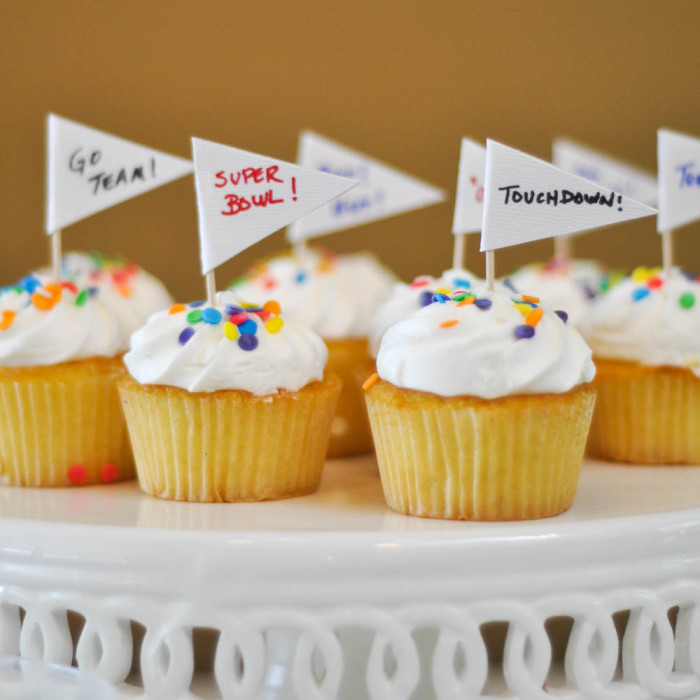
{"points": [[646, 415], [465, 458], [350, 433], [229, 445], [62, 425]]}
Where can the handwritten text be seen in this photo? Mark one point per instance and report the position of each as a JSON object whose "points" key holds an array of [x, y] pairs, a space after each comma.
{"points": [[82, 163], [514, 195]]}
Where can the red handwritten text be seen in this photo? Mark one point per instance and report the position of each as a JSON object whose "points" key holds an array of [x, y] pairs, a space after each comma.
{"points": [[247, 176], [236, 204]]}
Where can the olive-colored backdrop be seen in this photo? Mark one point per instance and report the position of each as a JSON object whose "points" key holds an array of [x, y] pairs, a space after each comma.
{"points": [[402, 81]]}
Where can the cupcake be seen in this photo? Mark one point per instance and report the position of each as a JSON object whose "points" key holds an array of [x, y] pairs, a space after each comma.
{"points": [[60, 419], [337, 296], [133, 293], [645, 336], [565, 283], [480, 409], [228, 403]]}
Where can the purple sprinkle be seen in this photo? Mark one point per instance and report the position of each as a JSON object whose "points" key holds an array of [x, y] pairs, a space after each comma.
{"points": [[483, 304], [253, 309], [440, 298], [589, 292], [689, 275], [248, 327], [562, 315], [186, 335], [194, 304], [93, 291], [247, 341], [232, 309], [640, 293], [524, 331], [425, 298]]}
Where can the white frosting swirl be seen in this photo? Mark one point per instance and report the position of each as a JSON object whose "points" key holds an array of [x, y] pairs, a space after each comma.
{"points": [[209, 361], [638, 321], [481, 354], [336, 295], [566, 284], [77, 326], [407, 298], [133, 293]]}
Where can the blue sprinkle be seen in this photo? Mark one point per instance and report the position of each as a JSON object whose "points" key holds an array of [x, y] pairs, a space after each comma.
{"points": [[232, 309], [562, 315], [247, 341], [186, 335], [301, 277], [528, 303], [640, 293], [194, 304], [248, 327], [589, 292], [483, 304], [689, 275], [93, 291], [524, 331], [210, 315], [30, 283], [509, 285], [458, 282], [440, 298], [425, 298]]}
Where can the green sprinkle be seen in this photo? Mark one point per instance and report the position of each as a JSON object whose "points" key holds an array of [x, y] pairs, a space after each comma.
{"points": [[82, 297], [194, 316], [461, 297], [687, 300]]}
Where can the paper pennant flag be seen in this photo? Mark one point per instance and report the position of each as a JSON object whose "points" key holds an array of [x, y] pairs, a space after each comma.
{"points": [[623, 178], [383, 192], [679, 179], [527, 199], [469, 202], [89, 170], [244, 197]]}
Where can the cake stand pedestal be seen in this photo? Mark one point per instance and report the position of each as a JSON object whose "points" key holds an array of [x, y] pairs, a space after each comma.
{"points": [[335, 596]]}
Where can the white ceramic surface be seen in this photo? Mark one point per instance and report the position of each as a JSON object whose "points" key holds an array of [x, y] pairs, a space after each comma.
{"points": [[334, 596]]}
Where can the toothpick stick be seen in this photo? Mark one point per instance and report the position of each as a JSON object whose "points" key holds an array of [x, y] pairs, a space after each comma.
{"points": [[490, 271], [667, 252], [562, 246], [458, 252], [300, 251], [211, 288], [56, 255]]}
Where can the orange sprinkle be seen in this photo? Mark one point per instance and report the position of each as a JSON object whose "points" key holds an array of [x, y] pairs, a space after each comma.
{"points": [[370, 382], [176, 308], [125, 290], [449, 324], [272, 307], [533, 318], [7, 318], [467, 300], [532, 300], [54, 288], [41, 301]]}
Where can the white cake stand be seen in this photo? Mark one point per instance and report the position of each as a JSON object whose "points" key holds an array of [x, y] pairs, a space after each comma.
{"points": [[334, 596]]}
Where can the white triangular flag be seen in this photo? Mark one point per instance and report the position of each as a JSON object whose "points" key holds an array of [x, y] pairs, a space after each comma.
{"points": [[89, 170], [244, 197], [527, 199], [469, 201], [384, 191], [616, 175], [679, 179]]}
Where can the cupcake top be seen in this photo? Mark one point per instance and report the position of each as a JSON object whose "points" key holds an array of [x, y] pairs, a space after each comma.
{"points": [[485, 344], [334, 294], [231, 345], [44, 323], [564, 283], [649, 319], [133, 293], [404, 299]]}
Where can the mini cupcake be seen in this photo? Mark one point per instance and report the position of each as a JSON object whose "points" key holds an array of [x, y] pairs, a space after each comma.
{"points": [[567, 284], [481, 408], [133, 293], [228, 403], [337, 296], [60, 419], [645, 335]]}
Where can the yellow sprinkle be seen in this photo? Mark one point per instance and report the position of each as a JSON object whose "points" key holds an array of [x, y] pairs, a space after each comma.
{"points": [[231, 330], [274, 325], [641, 274], [370, 382], [443, 290], [246, 305], [523, 308]]}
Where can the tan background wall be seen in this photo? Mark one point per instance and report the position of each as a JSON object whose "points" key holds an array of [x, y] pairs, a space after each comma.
{"points": [[402, 81]]}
